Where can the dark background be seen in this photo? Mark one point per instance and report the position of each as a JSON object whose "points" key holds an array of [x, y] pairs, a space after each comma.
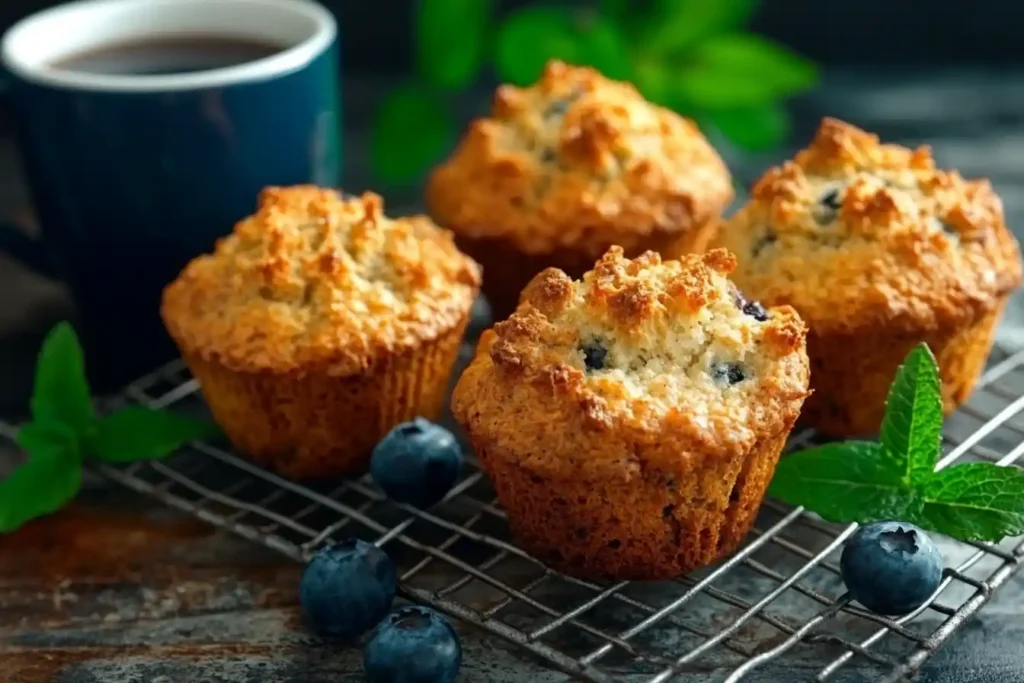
{"points": [[377, 32]]}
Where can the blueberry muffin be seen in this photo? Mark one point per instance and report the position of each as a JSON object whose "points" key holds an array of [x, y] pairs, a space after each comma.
{"points": [[564, 169], [631, 421], [878, 250], [320, 324]]}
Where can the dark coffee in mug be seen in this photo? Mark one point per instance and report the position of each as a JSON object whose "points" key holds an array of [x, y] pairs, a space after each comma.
{"points": [[168, 55]]}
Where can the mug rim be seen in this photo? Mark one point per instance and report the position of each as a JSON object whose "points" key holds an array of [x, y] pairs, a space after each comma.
{"points": [[287, 60]]}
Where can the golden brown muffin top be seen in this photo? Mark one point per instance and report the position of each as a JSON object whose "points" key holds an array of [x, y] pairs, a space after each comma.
{"points": [[666, 355], [317, 280], [578, 161], [857, 234]]}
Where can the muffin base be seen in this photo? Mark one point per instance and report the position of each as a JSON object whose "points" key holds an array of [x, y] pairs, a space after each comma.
{"points": [[507, 270], [851, 374], [314, 426], [640, 529]]}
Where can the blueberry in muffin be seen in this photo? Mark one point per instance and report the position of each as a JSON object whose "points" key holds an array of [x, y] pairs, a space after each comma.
{"points": [[878, 250], [561, 170], [320, 324], [631, 420]]}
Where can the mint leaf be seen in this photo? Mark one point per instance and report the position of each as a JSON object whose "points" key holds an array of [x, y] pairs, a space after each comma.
{"points": [[863, 482], [531, 36], [911, 430], [61, 392], [614, 9], [41, 436], [741, 71], [139, 433], [451, 40], [605, 47], [655, 80], [47, 481], [678, 25], [976, 501], [777, 67], [844, 482], [411, 131], [754, 128], [709, 89]]}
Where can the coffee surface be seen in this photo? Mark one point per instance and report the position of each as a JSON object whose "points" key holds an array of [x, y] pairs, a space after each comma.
{"points": [[177, 55]]}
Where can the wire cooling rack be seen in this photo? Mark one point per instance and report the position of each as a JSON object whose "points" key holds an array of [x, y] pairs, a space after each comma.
{"points": [[776, 604]]}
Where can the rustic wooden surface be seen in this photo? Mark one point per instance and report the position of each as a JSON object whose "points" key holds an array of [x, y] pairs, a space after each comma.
{"points": [[118, 590]]}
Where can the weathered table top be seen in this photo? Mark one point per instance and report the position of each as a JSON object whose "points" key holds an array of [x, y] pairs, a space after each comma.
{"points": [[117, 589]]}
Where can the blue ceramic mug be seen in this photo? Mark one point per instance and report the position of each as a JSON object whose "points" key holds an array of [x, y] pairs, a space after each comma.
{"points": [[133, 171]]}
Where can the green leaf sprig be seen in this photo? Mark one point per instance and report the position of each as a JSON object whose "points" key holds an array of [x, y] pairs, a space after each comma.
{"points": [[692, 56], [895, 479], [65, 431]]}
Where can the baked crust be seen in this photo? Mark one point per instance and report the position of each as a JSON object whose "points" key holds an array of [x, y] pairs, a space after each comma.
{"points": [[581, 162], [315, 282], [668, 332], [863, 236]]}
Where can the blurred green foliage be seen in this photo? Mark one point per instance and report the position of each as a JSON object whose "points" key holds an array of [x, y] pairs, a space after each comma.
{"points": [[693, 56]]}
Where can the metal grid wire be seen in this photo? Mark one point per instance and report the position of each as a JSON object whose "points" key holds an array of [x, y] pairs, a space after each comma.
{"points": [[777, 603]]}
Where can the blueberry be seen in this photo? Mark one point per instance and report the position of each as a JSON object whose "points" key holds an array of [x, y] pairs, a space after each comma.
{"points": [[752, 308], [891, 568], [828, 206], [728, 373], [830, 199], [413, 645], [557, 108], [595, 355], [755, 310], [560, 106], [417, 463], [348, 588]]}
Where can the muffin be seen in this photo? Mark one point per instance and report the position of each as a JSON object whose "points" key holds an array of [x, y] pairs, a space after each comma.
{"points": [[320, 324], [564, 169], [878, 250], [631, 421]]}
